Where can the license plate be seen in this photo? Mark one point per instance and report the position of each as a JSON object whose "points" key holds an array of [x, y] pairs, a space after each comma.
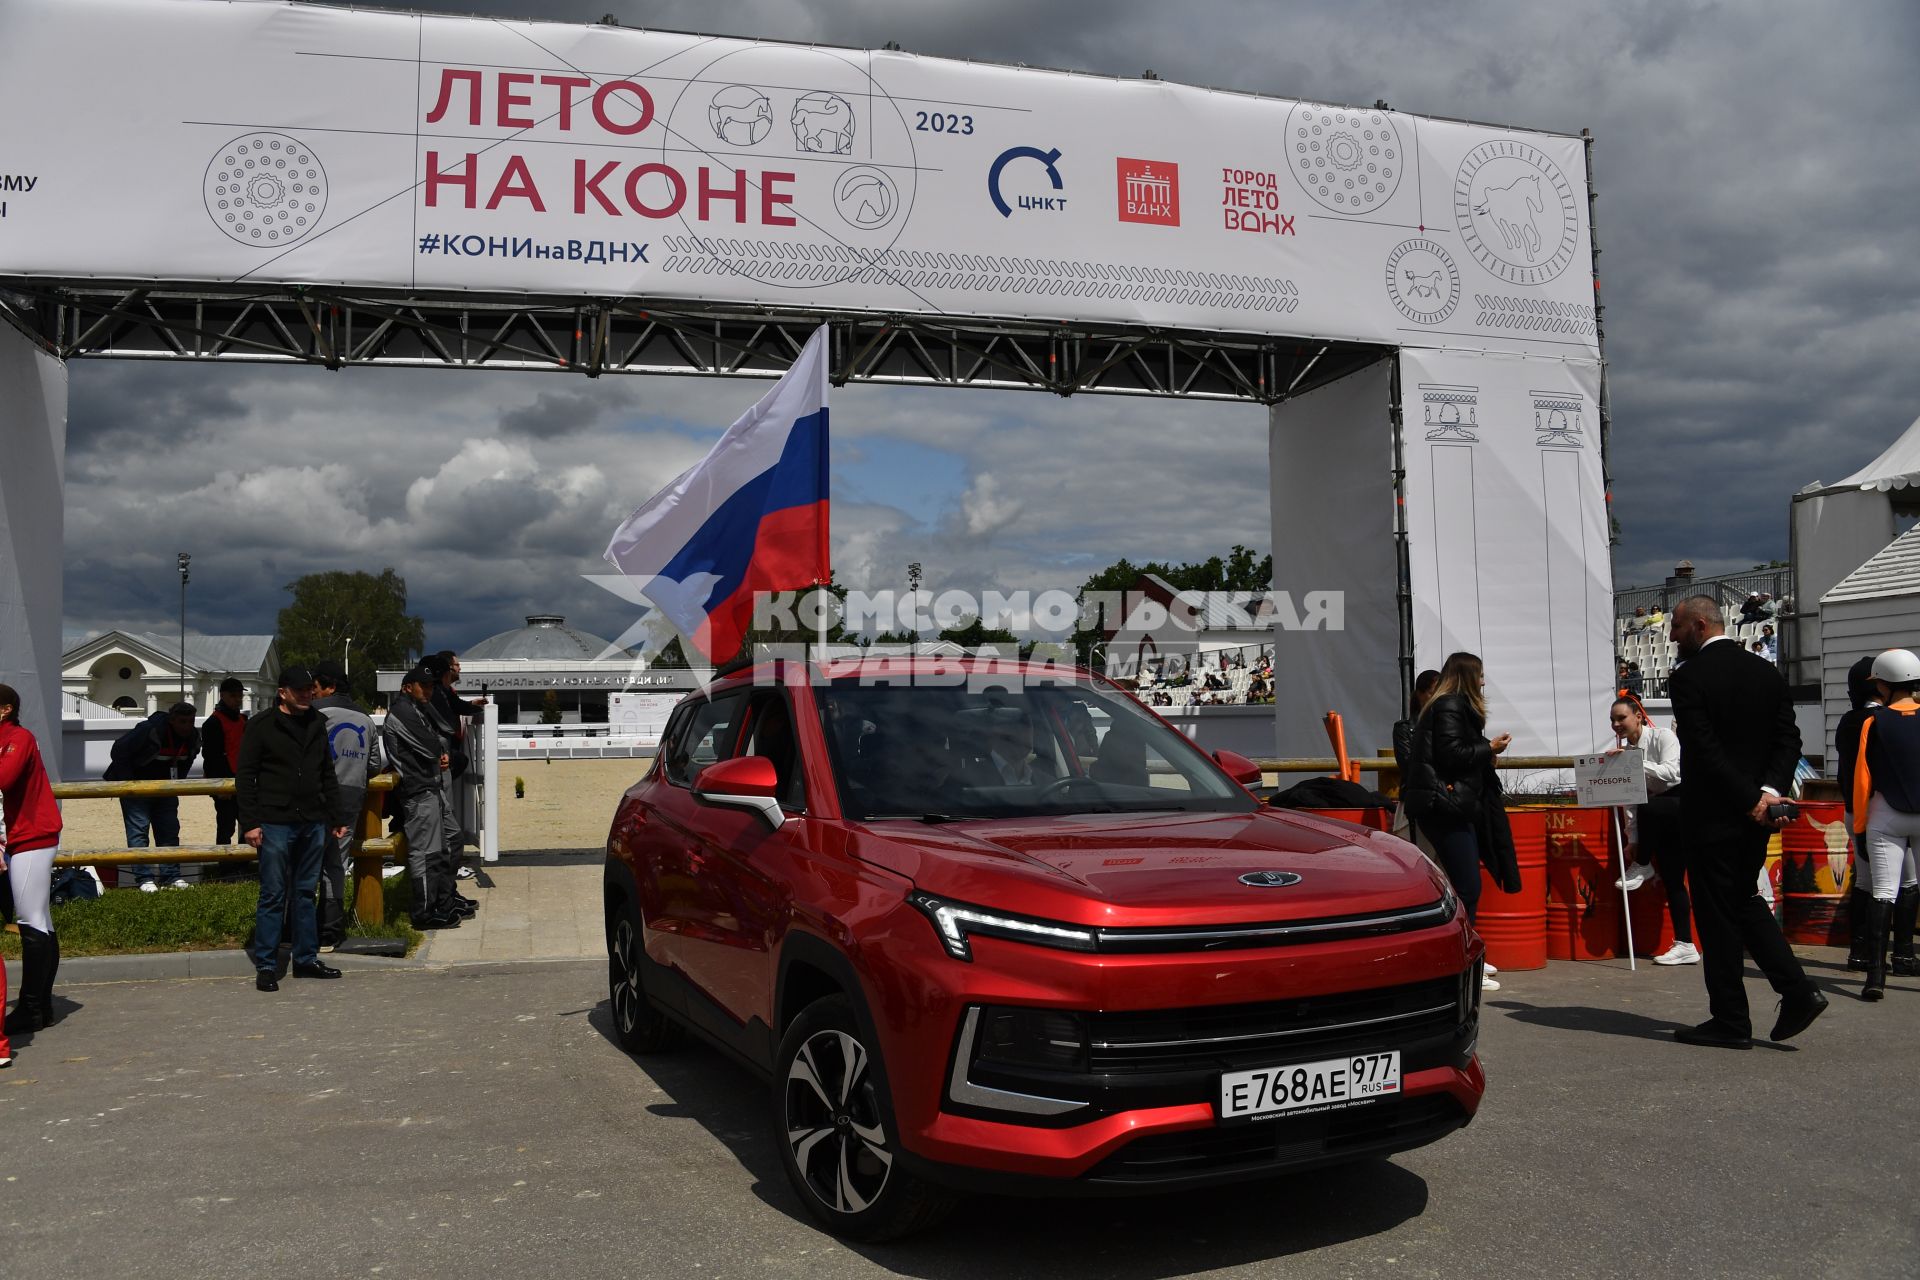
{"points": [[1265, 1092]]}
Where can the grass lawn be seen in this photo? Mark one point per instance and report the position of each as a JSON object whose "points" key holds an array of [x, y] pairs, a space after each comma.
{"points": [[203, 917]]}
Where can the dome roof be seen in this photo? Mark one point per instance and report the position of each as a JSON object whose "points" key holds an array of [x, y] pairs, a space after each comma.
{"points": [[545, 638]]}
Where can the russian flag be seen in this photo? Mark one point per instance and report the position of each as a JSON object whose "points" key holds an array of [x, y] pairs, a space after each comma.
{"points": [[749, 517]]}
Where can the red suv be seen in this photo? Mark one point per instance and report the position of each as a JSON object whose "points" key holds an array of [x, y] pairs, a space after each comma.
{"points": [[991, 924]]}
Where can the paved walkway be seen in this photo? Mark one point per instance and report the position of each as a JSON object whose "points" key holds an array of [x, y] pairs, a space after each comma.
{"points": [[533, 906]]}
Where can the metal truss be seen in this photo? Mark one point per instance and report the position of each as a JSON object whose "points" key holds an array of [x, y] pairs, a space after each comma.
{"points": [[334, 328]]}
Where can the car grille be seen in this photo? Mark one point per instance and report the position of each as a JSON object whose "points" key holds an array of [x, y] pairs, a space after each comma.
{"points": [[1373, 1128], [1222, 1037]]}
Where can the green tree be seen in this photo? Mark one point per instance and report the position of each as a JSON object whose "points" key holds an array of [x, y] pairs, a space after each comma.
{"points": [[331, 608], [1238, 570], [550, 707], [973, 633]]}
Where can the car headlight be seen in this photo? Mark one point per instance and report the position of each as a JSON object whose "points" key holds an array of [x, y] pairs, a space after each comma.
{"points": [[956, 922]]}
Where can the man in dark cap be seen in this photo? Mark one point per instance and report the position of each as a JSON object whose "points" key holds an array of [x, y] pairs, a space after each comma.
{"points": [[289, 803], [220, 738], [417, 753], [163, 746]]}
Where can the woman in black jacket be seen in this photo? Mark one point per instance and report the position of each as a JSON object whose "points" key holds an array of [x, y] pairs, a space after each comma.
{"points": [[1452, 790]]}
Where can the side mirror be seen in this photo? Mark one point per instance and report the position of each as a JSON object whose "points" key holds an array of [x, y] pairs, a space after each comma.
{"points": [[744, 782], [1238, 767]]}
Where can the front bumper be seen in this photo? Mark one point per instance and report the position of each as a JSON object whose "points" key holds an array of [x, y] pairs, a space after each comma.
{"points": [[1150, 1123]]}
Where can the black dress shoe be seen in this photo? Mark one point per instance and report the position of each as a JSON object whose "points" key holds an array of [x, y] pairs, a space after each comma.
{"points": [[462, 900], [1712, 1035], [315, 969], [266, 980], [424, 923], [1798, 1009], [465, 910]]}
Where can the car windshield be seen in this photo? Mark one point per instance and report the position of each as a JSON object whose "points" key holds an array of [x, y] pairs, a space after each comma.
{"points": [[939, 752]]}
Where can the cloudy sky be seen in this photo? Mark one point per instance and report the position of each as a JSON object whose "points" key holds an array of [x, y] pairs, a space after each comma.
{"points": [[1761, 272]]}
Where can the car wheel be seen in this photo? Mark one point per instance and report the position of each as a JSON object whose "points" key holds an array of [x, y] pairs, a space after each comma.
{"points": [[637, 1025], [836, 1131]]}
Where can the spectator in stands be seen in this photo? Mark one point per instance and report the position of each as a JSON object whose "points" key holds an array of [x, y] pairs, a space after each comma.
{"points": [[354, 750], [220, 752], [1636, 682], [161, 747], [289, 801], [1619, 673], [1751, 607], [1769, 645], [1638, 622], [1656, 621], [416, 751]]}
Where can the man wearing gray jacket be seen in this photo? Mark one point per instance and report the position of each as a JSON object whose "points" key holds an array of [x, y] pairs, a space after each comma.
{"points": [[415, 751], [354, 748]]}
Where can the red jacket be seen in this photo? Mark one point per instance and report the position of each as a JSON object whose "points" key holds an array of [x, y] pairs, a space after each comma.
{"points": [[33, 819]]}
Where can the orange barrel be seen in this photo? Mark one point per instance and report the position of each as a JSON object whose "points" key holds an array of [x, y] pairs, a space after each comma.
{"points": [[1583, 906], [1514, 925], [1816, 865]]}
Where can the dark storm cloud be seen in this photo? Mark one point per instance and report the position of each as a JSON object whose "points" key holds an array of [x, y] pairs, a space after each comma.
{"points": [[1761, 277]]}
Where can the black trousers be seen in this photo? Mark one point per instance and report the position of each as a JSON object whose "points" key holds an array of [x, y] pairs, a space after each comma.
{"points": [[1663, 843], [226, 816], [1735, 922]]}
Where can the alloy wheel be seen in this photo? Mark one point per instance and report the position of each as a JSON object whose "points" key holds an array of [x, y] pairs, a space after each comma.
{"points": [[833, 1122], [623, 985]]}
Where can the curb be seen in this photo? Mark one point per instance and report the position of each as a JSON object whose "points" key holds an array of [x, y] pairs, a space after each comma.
{"points": [[93, 970]]}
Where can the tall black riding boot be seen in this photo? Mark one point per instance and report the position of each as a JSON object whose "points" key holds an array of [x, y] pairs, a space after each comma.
{"points": [[1881, 916], [45, 991], [1906, 914], [1859, 903], [29, 1013]]}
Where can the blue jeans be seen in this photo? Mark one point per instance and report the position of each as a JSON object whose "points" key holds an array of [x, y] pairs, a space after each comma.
{"points": [[161, 816], [289, 864]]}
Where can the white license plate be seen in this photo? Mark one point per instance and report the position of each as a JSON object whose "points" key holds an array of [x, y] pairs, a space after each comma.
{"points": [[1309, 1086]]}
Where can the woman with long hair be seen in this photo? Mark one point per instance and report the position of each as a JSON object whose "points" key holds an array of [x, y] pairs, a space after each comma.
{"points": [[32, 840], [1656, 850], [1452, 790]]}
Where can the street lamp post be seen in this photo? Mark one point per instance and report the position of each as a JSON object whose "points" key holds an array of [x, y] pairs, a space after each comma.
{"points": [[183, 561], [913, 596], [346, 657]]}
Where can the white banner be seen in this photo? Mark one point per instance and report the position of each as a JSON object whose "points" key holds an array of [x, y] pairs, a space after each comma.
{"points": [[1507, 537], [33, 448], [1331, 458], [192, 141]]}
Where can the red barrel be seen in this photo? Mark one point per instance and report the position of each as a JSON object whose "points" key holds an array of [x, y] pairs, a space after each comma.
{"points": [[1514, 925], [1584, 920], [1815, 874]]}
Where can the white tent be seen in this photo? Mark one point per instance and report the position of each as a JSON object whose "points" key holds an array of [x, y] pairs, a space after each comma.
{"points": [[1897, 468]]}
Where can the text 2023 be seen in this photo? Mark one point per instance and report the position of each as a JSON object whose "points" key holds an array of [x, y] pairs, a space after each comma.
{"points": [[942, 122]]}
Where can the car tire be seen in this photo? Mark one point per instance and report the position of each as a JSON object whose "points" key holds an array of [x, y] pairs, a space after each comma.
{"points": [[833, 1123], [637, 1025]]}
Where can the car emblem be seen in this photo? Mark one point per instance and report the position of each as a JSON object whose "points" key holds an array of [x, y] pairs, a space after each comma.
{"points": [[1269, 879]]}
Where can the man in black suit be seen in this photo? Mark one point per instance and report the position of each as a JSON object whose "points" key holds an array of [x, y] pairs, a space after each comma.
{"points": [[1740, 746]]}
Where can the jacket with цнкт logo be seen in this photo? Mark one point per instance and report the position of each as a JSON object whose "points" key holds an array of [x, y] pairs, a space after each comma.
{"points": [[285, 777]]}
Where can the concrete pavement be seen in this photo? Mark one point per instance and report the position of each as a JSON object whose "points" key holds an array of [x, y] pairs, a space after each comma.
{"points": [[533, 906], [477, 1120]]}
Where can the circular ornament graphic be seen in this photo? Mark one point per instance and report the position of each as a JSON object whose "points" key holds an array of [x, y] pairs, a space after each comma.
{"points": [[1346, 160], [740, 115], [1423, 281], [1516, 212], [265, 189], [866, 198]]}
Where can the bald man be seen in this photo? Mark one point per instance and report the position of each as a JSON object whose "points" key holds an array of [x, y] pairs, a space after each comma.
{"points": [[1738, 738]]}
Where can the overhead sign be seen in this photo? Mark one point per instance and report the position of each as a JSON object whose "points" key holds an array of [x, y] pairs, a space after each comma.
{"points": [[1618, 779], [288, 144]]}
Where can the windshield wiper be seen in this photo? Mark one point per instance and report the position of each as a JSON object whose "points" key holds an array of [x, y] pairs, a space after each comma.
{"points": [[935, 819]]}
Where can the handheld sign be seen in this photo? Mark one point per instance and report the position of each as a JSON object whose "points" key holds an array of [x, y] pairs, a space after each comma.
{"points": [[1605, 780]]}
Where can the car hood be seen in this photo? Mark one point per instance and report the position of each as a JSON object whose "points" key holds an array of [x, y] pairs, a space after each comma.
{"points": [[1162, 868]]}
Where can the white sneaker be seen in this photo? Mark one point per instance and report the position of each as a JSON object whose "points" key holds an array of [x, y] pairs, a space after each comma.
{"points": [[6, 1062], [1488, 984], [1488, 968], [1679, 953], [148, 886], [464, 873], [1637, 874], [179, 882]]}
